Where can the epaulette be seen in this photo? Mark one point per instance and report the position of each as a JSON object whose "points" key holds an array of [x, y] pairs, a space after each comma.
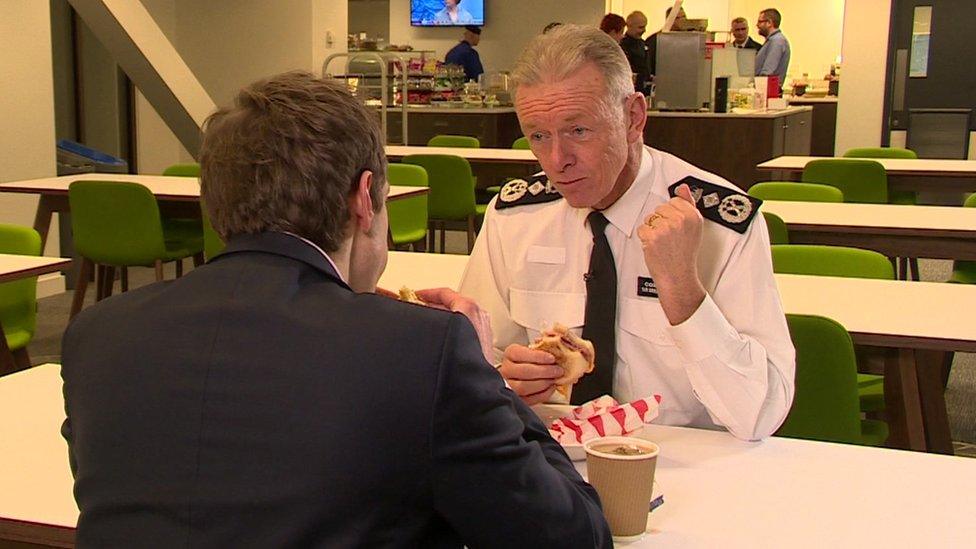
{"points": [[723, 205], [519, 192]]}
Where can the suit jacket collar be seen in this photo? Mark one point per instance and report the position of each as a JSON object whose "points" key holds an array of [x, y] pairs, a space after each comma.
{"points": [[284, 245]]}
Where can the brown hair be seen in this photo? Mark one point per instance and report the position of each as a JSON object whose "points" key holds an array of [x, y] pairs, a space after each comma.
{"points": [[286, 157], [612, 22]]}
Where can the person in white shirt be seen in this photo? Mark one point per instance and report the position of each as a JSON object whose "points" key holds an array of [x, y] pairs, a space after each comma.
{"points": [[697, 315]]}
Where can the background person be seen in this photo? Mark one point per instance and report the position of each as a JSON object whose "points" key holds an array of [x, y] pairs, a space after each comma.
{"points": [[270, 399], [683, 307], [613, 25], [774, 56], [636, 51], [740, 35], [464, 54]]}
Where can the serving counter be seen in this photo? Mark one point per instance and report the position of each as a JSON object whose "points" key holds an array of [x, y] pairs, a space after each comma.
{"points": [[824, 122], [729, 144], [495, 127]]}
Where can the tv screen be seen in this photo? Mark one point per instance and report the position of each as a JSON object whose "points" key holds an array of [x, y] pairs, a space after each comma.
{"points": [[447, 13]]}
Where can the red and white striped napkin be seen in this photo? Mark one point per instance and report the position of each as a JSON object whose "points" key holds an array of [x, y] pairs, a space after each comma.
{"points": [[604, 416]]}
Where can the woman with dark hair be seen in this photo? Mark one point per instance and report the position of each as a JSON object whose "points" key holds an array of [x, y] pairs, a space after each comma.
{"points": [[613, 25]]}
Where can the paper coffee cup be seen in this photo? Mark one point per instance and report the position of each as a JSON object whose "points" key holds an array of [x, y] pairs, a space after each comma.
{"points": [[622, 471]]}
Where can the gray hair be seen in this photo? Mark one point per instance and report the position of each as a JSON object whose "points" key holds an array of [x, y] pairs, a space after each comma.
{"points": [[740, 20], [561, 52]]}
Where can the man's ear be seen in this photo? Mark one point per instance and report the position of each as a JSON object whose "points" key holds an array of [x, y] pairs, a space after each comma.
{"points": [[636, 112], [361, 203]]}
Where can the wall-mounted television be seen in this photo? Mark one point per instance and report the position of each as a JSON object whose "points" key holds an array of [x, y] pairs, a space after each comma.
{"points": [[447, 13]]}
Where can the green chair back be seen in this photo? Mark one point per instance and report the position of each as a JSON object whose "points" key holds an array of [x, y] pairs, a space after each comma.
{"points": [[521, 143], [894, 197], [831, 261], [460, 141], [408, 216], [825, 405], [799, 192], [116, 223], [183, 170], [18, 299], [451, 185], [863, 181], [964, 272], [778, 234], [880, 152]]}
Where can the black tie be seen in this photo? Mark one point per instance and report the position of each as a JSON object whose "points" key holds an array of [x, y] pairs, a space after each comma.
{"points": [[599, 321]]}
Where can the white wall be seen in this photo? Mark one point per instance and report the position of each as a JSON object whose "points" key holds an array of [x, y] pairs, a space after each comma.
{"points": [[509, 26], [813, 27], [231, 43], [860, 110], [27, 107]]}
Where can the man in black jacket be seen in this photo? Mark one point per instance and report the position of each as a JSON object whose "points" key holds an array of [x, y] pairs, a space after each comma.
{"points": [[740, 35], [270, 398], [636, 51]]}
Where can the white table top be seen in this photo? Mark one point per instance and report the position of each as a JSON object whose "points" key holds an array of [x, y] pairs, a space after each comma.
{"points": [[889, 216], [718, 491], [884, 307], [894, 166], [756, 114], [15, 267], [519, 156], [163, 186]]}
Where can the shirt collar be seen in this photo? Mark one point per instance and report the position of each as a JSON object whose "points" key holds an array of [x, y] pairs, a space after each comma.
{"points": [[321, 251], [623, 213]]}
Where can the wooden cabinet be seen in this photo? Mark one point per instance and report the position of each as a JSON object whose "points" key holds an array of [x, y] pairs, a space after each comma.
{"points": [[731, 145], [495, 128]]}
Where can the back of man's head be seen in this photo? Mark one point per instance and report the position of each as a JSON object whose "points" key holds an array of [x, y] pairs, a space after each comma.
{"points": [[774, 16], [285, 157]]}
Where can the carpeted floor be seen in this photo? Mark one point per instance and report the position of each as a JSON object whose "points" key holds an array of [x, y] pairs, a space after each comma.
{"points": [[52, 319]]}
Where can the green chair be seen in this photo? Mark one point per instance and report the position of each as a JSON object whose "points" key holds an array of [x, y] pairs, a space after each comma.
{"points": [[451, 197], [183, 170], [521, 143], [117, 224], [408, 216], [190, 229], [894, 197], [839, 261], [18, 300], [861, 181], [778, 234], [457, 141], [799, 192], [964, 272], [825, 405]]}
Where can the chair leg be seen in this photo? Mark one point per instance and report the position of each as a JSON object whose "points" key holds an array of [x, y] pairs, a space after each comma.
{"points": [[179, 268], [198, 260], [902, 273], [431, 230], [108, 281], [81, 284], [913, 263], [125, 279], [947, 368], [159, 270], [22, 358], [470, 233], [99, 282], [443, 236]]}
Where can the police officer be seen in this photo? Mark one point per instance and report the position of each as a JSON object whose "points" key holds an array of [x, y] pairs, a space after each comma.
{"points": [[664, 266]]}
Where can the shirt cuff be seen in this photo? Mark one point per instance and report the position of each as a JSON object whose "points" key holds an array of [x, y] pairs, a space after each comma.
{"points": [[705, 333]]}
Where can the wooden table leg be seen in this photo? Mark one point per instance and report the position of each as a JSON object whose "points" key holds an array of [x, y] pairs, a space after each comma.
{"points": [[46, 206], [937, 434], [7, 363], [903, 406]]}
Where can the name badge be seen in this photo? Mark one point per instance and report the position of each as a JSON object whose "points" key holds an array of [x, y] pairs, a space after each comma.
{"points": [[646, 287]]}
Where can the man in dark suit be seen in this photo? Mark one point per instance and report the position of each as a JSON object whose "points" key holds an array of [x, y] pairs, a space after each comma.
{"points": [[740, 35], [270, 398]]}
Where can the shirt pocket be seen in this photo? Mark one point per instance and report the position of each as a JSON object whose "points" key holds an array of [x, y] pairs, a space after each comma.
{"points": [[535, 310], [645, 319]]}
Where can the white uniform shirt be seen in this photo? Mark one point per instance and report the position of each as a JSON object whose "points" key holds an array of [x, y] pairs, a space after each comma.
{"points": [[730, 364]]}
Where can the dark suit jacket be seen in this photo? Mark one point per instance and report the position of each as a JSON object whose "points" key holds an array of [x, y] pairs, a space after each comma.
{"points": [[640, 61], [750, 44], [259, 402]]}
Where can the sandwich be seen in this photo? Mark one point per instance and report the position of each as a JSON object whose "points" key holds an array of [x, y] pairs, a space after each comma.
{"points": [[573, 354], [408, 295]]}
